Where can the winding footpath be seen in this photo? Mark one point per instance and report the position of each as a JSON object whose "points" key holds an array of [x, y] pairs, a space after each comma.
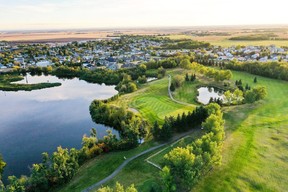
{"points": [[171, 96], [175, 138]]}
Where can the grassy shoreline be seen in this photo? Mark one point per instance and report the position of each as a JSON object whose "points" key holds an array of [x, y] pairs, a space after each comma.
{"points": [[6, 85], [255, 147]]}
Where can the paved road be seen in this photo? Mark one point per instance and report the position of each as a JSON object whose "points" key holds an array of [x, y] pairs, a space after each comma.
{"points": [[175, 138]]}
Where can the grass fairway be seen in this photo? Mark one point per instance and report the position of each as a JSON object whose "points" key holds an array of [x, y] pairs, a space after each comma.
{"points": [[152, 100], [255, 150]]}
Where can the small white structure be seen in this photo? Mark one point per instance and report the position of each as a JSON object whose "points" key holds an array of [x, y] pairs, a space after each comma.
{"points": [[43, 63]]}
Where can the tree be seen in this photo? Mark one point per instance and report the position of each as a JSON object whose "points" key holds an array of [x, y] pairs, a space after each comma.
{"points": [[167, 179], [93, 133], [118, 188], [2, 166], [228, 97], [172, 87], [260, 92], [178, 80], [161, 72], [156, 130], [193, 77], [16, 185], [166, 131], [185, 63], [250, 97], [238, 95], [181, 162], [187, 77]]}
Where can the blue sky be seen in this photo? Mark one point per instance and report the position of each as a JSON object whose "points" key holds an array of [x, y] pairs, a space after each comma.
{"points": [[61, 14]]}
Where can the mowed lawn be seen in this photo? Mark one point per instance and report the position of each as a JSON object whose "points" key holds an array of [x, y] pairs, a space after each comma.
{"points": [[153, 102], [255, 152]]}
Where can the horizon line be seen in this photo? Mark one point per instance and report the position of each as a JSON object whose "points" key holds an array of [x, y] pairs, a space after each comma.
{"points": [[140, 27]]}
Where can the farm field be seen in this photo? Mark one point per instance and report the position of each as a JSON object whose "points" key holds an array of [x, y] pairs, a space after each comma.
{"points": [[225, 42]]}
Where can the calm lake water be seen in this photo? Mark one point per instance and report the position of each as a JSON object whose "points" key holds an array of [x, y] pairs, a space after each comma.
{"points": [[39, 121], [205, 93]]}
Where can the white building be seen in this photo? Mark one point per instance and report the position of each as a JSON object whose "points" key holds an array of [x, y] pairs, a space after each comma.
{"points": [[43, 63]]}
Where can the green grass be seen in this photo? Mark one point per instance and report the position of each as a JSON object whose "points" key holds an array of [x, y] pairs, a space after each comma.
{"points": [[255, 150], [152, 100], [187, 92], [144, 175], [100, 167], [153, 103], [6, 85]]}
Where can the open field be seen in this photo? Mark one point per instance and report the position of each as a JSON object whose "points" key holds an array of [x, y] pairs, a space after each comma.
{"points": [[216, 35], [255, 150], [78, 35], [225, 42]]}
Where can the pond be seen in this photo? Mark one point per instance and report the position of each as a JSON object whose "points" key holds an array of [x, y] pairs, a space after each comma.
{"points": [[41, 120], [205, 93]]}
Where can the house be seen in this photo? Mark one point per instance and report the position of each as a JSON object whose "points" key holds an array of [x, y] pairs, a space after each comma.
{"points": [[128, 65], [87, 65], [19, 59], [44, 63], [263, 59], [2, 66], [114, 66]]}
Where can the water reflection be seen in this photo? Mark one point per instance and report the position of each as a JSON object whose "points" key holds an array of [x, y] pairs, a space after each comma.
{"points": [[205, 93], [40, 120]]}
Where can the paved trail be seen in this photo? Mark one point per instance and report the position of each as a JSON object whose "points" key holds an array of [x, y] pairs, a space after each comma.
{"points": [[171, 96], [175, 138]]}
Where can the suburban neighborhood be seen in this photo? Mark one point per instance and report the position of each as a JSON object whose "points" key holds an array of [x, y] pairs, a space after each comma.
{"points": [[124, 52]]}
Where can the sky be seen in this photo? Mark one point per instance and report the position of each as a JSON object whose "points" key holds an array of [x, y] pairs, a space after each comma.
{"points": [[76, 14]]}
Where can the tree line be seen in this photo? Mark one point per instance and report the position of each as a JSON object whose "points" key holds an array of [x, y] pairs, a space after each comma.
{"points": [[276, 70], [183, 122], [184, 165]]}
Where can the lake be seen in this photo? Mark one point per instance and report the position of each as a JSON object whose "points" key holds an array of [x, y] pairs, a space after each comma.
{"points": [[41, 120], [205, 93]]}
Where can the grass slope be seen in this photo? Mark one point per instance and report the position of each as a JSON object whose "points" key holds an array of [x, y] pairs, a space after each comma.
{"points": [[153, 103], [152, 100], [255, 150]]}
